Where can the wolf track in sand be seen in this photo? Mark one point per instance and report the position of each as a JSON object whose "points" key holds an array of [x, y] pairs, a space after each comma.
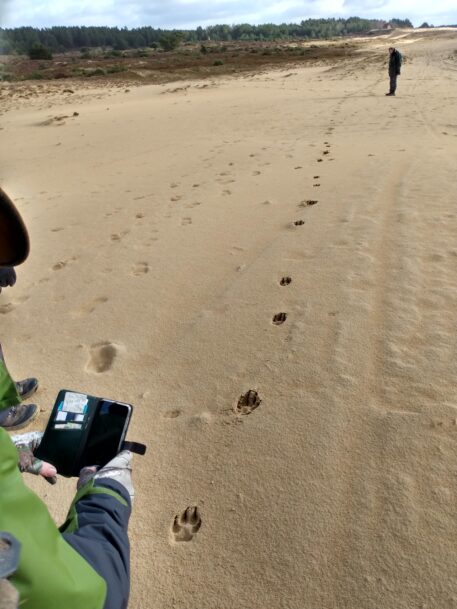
{"points": [[248, 402], [279, 318], [140, 268], [186, 524], [285, 281]]}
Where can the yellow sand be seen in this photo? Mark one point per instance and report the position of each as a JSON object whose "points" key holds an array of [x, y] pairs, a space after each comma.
{"points": [[162, 222]]}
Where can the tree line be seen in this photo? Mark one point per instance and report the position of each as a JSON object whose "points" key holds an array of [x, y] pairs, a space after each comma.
{"points": [[60, 39]]}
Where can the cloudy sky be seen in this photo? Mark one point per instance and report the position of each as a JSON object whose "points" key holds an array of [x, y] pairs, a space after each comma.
{"points": [[191, 13]]}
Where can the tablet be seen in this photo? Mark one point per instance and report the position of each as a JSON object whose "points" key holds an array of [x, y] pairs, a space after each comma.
{"points": [[84, 430]]}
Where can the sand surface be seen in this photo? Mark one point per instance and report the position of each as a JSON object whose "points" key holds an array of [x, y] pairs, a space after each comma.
{"points": [[162, 222]]}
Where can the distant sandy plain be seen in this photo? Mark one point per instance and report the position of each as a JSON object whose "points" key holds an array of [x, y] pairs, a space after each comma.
{"points": [[170, 226]]}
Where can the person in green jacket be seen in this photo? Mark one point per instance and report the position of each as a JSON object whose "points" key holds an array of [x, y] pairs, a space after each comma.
{"points": [[85, 563], [13, 414], [17, 415]]}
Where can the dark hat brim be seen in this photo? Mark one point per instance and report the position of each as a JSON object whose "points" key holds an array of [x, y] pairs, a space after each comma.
{"points": [[14, 239]]}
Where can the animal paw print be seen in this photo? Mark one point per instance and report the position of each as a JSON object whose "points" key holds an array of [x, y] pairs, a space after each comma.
{"points": [[279, 318], [186, 524], [248, 402]]}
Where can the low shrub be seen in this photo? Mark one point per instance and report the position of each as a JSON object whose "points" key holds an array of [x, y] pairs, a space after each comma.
{"points": [[39, 51], [96, 72], [112, 53], [34, 76], [115, 69]]}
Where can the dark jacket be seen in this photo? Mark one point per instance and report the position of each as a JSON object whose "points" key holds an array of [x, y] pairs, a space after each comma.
{"points": [[394, 63]]}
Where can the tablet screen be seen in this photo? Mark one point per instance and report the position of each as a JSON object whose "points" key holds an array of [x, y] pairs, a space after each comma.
{"points": [[107, 431]]}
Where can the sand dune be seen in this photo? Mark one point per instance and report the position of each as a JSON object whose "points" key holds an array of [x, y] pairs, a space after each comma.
{"points": [[266, 269]]}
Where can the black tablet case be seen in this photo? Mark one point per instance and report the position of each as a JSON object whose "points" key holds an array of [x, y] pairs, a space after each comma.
{"points": [[67, 432]]}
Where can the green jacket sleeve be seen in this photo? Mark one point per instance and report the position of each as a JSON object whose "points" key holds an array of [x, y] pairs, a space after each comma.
{"points": [[51, 573], [8, 392]]}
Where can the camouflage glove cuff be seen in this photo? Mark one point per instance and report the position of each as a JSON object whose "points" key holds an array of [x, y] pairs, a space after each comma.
{"points": [[27, 462], [26, 444]]}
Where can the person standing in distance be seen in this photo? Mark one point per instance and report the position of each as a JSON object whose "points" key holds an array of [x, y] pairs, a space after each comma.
{"points": [[395, 60]]}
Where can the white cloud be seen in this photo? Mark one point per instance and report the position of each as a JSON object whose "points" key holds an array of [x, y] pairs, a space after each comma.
{"points": [[190, 13]]}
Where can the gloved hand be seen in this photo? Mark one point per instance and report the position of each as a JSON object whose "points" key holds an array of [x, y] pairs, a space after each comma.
{"points": [[7, 277], [26, 444], [9, 596], [119, 469]]}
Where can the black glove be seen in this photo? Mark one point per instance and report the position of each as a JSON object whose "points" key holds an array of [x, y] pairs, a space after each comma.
{"points": [[7, 277]]}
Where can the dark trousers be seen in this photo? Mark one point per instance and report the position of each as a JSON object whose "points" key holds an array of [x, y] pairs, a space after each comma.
{"points": [[101, 539], [393, 83]]}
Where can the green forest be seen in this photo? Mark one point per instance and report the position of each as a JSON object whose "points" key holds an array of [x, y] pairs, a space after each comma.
{"points": [[60, 39]]}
